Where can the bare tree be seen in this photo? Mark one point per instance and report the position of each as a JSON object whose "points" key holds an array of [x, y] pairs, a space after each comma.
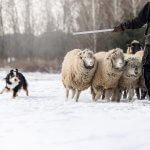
{"points": [[2, 32], [29, 38]]}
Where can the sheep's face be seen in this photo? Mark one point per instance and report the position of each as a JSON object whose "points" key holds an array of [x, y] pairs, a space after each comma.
{"points": [[134, 47], [88, 58], [118, 63], [117, 59], [133, 68]]}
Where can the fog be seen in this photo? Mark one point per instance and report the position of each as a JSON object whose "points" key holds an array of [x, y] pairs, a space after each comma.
{"points": [[35, 35]]}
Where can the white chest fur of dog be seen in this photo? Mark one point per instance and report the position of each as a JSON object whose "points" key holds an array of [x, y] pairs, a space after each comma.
{"points": [[12, 86], [14, 82]]}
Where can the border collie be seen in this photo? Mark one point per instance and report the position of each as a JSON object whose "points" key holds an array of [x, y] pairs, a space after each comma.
{"points": [[15, 81]]}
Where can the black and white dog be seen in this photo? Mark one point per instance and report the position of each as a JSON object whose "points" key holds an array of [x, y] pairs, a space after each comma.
{"points": [[15, 81]]}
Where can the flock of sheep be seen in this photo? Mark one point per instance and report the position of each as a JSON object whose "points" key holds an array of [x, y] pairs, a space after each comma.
{"points": [[110, 75]]}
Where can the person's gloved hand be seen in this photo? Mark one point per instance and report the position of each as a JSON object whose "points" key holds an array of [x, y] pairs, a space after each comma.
{"points": [[119, 28]]}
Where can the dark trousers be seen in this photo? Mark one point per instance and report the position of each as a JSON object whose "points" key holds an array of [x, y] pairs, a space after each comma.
{"points": [[146, 67]]}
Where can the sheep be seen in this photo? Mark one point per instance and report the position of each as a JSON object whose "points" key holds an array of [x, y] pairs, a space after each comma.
{"points": [[139, 54], [134, 47], [130, 77], [109, 70], [141, 83], [78, 69]]}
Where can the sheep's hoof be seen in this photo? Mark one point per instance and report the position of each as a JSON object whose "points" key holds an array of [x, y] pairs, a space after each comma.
{"points": [[131, 100]]}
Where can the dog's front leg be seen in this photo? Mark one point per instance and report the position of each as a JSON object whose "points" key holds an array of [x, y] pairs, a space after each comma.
{"points": [[15, 93], [5, 89]]}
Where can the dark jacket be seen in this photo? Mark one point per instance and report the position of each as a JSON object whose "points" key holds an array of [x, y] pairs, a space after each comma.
{"points": [[142, 18]]}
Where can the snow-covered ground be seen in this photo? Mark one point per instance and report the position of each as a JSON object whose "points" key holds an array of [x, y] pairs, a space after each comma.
{"points": [[45, 121]]}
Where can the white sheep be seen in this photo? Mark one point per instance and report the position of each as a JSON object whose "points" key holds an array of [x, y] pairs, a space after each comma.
{"points": [[141, 83], [130, 77], [135, 48], [78, 69], [109, 70]]}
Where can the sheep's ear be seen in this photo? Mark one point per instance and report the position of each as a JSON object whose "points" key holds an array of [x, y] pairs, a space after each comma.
{"points": [[110, 53], [108, 57], [141, 46], [83, 52], [121, 50], [128, 45], [114, 50], [80, 55]]}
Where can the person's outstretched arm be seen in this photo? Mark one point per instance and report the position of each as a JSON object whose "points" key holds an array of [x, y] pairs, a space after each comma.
{"points": [[142, 18]]}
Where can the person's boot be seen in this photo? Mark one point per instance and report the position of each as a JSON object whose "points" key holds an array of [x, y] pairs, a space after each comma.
{"points": [[148, 95], [143, 94], [147, 76]]}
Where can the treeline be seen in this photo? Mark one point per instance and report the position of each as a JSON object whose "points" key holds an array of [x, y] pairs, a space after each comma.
{"points": [[41, 31]]}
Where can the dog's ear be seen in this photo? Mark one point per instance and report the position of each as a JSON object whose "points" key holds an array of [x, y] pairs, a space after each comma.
{"points": [[16, 70], [11, 71]]}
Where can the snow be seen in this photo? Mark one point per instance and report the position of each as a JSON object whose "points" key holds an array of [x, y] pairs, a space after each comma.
{"points": [[45, 121]]}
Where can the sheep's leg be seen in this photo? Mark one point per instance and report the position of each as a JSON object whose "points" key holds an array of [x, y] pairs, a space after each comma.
{"points": [[108, 94], [131, 94], [137, 91], [98, 95], [119, 96], [113, 99], [124, 94], [77, 96], [67, 93], [95, 94], [103, 95], [73, 93], [116, 95], [93, 97], [143, 93]]}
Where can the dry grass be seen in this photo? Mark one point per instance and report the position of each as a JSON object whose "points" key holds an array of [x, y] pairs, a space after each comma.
{"points": [[33, 65]]}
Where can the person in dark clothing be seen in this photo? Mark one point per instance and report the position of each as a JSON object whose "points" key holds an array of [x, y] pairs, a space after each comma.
{"points": [[142, 19]]}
